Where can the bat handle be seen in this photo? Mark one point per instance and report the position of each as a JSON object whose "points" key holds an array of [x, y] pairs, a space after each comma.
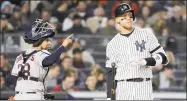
{"points": [[113, 90]]}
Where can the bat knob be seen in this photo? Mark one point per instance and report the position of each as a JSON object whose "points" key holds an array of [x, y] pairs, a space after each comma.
{"points": [[113, 64]]}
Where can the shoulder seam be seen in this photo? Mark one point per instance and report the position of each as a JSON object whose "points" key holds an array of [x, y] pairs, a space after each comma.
{"points": [[45, 52]]}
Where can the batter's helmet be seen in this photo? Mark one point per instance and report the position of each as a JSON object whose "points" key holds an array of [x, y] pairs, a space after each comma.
{"points": [[122, 8], [39, 30]]}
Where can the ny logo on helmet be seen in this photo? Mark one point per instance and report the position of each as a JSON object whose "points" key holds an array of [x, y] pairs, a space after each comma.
{"points": [[125, 7], [140, 47]]}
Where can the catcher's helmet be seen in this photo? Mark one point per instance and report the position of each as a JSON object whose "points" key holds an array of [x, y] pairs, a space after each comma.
{"points": [[39, 30], [122, 8]]}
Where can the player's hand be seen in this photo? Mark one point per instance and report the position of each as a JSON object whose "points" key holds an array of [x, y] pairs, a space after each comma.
{"points": [[67, 41], [140, 62]]}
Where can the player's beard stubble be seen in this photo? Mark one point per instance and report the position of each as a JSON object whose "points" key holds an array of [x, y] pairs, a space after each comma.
{"points": [[127, 26], [47, 47]]}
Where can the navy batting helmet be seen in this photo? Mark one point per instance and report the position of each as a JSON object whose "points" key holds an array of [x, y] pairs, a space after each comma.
{"points": [[40, 30], [122, 8]]}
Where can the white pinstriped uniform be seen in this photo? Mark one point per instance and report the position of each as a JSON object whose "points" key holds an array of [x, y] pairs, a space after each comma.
{"points": [[121, 50]]}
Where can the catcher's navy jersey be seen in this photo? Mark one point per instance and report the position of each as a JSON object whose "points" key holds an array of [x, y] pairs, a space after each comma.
{"points": [[122, 49]]}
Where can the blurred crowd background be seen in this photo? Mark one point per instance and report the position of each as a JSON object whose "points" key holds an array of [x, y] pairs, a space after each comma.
{"points": [[79, 69]]}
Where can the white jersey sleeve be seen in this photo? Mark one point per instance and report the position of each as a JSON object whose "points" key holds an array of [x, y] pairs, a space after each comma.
{"points": [[110, 56], [155, 47], [153, 42]]}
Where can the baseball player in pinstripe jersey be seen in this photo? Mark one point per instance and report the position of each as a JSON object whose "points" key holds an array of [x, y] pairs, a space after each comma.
{"points": [[133, 51]]}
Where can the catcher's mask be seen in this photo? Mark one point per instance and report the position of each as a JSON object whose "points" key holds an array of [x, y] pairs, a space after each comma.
{"points": [[38, 32]]}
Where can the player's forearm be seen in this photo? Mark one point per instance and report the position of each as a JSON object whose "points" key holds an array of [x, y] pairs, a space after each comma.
{"points": [[109, 81], [156, 59], [51, 59]]}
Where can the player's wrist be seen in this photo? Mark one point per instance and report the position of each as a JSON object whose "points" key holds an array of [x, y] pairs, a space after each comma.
{"points": [[150, 61], [143, 62]]}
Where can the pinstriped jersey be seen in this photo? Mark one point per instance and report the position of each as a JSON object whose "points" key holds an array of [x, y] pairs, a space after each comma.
{"points": [[33, 68], [141, 43]]}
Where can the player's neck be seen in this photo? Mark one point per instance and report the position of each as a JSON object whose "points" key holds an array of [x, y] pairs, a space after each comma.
{"points": [[126, 31], [50, 74], [37, 48]]}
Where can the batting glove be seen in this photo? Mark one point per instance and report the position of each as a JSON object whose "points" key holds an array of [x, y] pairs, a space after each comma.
{"points": [[140, 62]]}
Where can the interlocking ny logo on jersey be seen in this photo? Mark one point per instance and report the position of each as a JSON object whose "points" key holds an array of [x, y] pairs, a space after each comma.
{"points": [[140, 47]]}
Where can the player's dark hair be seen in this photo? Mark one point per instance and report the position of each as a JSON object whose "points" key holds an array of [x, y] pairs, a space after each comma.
{"points": [[39, 42]]}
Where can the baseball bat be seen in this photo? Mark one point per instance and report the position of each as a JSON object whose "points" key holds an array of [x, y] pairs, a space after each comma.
{"points": [[113, 89]]}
